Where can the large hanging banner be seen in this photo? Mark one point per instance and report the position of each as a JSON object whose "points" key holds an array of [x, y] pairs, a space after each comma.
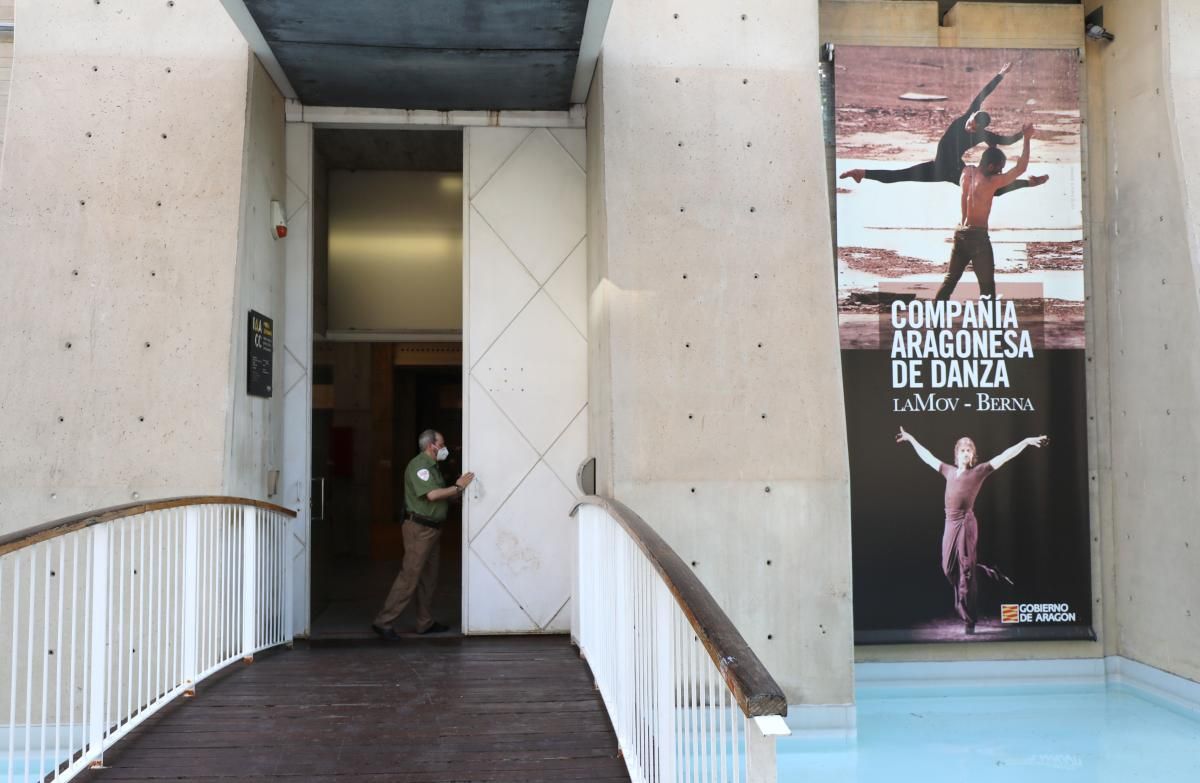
{"points": [[961, 310]]}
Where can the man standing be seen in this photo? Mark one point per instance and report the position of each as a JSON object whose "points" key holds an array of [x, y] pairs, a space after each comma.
{"points": [[427, 500], [972, 245]]}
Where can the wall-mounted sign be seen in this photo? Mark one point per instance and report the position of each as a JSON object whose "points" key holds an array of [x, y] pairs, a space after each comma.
{"points": [[961, 304], [260, 343]]}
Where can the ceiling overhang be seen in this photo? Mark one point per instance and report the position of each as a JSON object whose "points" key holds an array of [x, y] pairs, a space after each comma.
{"points": [[442, 55]]}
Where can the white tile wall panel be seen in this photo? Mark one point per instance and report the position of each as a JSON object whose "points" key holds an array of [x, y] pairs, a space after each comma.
{"points": [[536, 202], [573, 141], [527, 388], [566, 453], [568, 287], [486, 157], [524, 544], [537, 371], [499, 287], [490, 599], [500, 456]]}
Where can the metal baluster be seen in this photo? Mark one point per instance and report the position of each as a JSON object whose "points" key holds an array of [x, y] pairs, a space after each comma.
{"points": [[75, 648], [45, 652], [689, 726], [706, 715], [249, 579], [223, 564], [638, 632], [189, 581], [209, 593], [158, 598], [735, 768], [721, 733], [140, 702], [58, 649], [172, 628], [14, 635], [203, 593], [29, 658], [113, 699]]}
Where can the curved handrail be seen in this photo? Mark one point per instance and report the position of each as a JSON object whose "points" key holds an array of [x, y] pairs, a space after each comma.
{"points": [[751, 684], [59, 527]]}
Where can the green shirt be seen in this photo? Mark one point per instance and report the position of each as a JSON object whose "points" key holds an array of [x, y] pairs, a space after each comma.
{"points": [[421, 476]]}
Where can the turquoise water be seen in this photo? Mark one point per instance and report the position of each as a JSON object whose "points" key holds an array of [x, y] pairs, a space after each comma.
{"points": [[1093, 735]]}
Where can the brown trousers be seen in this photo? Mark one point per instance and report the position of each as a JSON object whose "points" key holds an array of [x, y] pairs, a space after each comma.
{"points": [[959, 542], [418, 574], [971, 246]]}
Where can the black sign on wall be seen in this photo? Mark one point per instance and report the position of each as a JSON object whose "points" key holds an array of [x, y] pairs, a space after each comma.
{"points": [[260, 343]]}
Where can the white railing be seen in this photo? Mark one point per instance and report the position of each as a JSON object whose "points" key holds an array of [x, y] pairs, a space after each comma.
{"points": [[688, 699], [105, 618]]}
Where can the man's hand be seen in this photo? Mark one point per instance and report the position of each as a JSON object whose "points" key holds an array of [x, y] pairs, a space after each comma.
{"points": [[464, 480], [1037, 441], [1027, 131], [1005, 68]]}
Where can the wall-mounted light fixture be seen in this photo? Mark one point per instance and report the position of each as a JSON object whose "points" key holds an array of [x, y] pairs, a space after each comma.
{"points": [[278, 221]]}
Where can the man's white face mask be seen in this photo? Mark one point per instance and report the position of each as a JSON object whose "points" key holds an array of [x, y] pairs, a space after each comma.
{"points": [[443, 452]]}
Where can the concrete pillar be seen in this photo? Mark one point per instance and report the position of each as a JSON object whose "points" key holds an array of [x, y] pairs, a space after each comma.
{"points": [[120, 202], [1146, 87], [716, 400]]}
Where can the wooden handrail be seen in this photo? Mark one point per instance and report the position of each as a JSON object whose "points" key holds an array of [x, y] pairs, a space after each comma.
{"points": [[60, 527], [751, 684]]}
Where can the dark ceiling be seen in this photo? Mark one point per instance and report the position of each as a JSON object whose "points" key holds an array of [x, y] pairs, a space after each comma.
{"points": [[426, 54]]}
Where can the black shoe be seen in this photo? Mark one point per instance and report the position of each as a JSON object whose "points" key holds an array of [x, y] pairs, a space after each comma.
{"points": [[435, 628], [969, 629], [387, 633]]}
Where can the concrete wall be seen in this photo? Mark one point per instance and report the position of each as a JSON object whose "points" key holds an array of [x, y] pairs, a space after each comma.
{"points": [[254, 424], [1145, 98], [119, 213], [717, 396]]}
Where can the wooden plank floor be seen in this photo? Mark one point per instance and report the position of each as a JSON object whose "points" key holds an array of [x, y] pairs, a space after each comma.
{"points": [[469, 709]]}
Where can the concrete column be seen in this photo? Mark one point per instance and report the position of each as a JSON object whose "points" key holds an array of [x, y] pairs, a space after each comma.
{"points": [[1150, 81], [119, 213], [716, 401]]}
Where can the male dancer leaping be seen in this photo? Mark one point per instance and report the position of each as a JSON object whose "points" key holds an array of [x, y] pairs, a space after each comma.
{"points": [[961, 534], [972, 245], [968, 131]]}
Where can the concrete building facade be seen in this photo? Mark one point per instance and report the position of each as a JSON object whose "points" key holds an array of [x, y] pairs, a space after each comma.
{"points": [[144, 145]]}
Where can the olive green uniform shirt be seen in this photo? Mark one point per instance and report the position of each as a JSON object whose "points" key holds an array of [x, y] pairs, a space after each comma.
{"points": [[421, 476]]}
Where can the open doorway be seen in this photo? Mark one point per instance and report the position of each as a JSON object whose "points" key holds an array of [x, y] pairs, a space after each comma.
{"points": [[387, 363]]}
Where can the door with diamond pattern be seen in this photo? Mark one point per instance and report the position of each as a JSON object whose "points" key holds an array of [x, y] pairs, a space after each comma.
{"points": [[525, 347]]}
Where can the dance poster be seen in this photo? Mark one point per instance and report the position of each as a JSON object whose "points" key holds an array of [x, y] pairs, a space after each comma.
{"points": [[961, 309]]}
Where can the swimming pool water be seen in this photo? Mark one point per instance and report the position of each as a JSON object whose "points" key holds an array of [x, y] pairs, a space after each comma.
{"points": [[1112, 735]]}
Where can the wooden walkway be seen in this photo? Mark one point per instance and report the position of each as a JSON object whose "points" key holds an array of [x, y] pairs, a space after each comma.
{"points": [[467, 709]]}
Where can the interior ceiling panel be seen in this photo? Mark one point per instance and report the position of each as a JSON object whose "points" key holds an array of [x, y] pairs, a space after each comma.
{"points": [[390, 150], [426, 54]]}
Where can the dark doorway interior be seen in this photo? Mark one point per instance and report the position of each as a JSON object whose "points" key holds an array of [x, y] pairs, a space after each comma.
{"points": [[370, 403]]}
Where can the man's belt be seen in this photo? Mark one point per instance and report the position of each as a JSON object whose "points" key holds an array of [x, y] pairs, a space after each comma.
{"points": [[436, 524]]}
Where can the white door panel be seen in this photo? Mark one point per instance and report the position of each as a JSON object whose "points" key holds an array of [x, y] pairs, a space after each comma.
{"points": [[526, 390]]}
